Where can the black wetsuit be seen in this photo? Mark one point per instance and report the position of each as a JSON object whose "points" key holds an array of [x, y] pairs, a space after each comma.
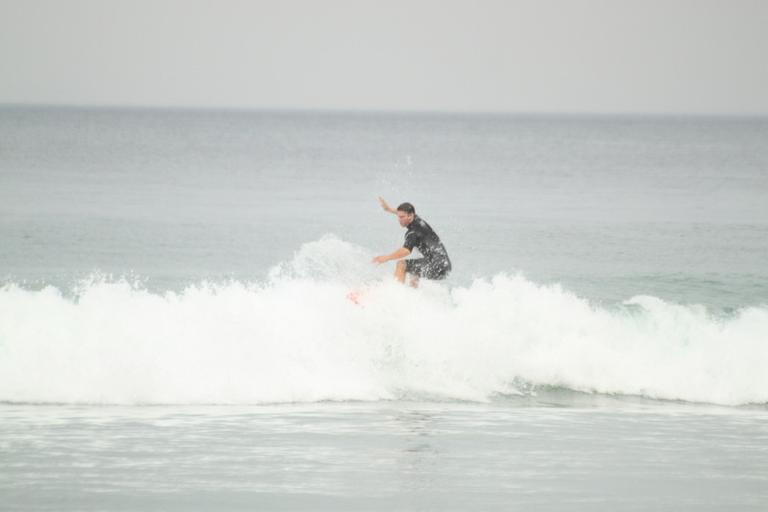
{"points": [[435, 264]]}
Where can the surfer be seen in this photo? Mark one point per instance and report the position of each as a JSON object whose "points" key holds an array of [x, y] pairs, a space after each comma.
{"points": [[434, 263]]}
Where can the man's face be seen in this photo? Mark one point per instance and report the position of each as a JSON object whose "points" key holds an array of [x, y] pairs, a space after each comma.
{"points": [[404, 218]]}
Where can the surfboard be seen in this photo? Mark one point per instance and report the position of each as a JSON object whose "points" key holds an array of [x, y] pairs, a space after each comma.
{"points": [[356, 296]]}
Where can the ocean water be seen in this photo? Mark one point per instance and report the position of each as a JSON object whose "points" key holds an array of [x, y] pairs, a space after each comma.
{"points": [[175, 332]]}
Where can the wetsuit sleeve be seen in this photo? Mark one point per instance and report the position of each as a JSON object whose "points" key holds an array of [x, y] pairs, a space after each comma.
{"points": [[411, 240]]}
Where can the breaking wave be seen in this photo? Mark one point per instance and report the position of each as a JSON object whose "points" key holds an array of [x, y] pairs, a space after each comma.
{"points": [[297, 337]]}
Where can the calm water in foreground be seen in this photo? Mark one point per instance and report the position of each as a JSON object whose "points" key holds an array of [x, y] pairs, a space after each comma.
{"points": [[385, 456]]}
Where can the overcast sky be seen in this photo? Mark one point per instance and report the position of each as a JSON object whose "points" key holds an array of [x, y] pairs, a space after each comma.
{"points": [[647, 56]]}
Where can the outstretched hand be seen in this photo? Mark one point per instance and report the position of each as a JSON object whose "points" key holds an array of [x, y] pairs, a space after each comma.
{"points": [[379, 260], [385, 206]]}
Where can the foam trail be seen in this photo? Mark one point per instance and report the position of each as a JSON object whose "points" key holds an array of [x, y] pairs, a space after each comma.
{"points": [[296, 338]]}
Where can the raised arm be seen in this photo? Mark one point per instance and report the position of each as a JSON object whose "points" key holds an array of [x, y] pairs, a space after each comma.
{"points": [[385, 206]]}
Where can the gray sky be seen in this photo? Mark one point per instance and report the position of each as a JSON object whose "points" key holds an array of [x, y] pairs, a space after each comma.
{"points": [[649, 56]]}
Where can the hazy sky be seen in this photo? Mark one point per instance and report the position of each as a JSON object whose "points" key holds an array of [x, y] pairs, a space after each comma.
{"points": [[678, 56]]}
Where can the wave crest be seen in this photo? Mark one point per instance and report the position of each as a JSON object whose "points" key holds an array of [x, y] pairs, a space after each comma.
{"points": [[297, 338]]}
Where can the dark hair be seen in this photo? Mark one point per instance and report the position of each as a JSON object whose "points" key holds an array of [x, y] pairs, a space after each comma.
{"points": [[407, 208]]}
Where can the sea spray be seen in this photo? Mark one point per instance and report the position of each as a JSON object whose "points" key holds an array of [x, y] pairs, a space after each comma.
{"points": [[297, 338]]}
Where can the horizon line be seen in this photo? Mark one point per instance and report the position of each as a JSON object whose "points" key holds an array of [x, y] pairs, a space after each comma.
{"points": [[378, 111]]}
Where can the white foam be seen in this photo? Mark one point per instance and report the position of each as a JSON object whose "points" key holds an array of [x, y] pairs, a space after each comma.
{"points": [[297, 337]]}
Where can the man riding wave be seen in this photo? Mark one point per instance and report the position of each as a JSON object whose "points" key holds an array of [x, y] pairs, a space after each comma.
{"points": [[434, 264]]}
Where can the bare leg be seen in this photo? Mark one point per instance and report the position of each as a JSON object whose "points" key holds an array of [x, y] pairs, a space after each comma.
{"points": [[414, 281], [400, 271]]}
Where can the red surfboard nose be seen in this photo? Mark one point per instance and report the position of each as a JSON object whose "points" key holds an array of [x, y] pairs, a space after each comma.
{"points": [[354, 296]]}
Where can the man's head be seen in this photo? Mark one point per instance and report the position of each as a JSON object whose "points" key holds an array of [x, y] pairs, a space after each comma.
{"points": [[405, 214]]}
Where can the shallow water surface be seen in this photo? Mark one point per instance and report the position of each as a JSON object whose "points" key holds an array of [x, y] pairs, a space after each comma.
{"points": [[610, 455]]}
